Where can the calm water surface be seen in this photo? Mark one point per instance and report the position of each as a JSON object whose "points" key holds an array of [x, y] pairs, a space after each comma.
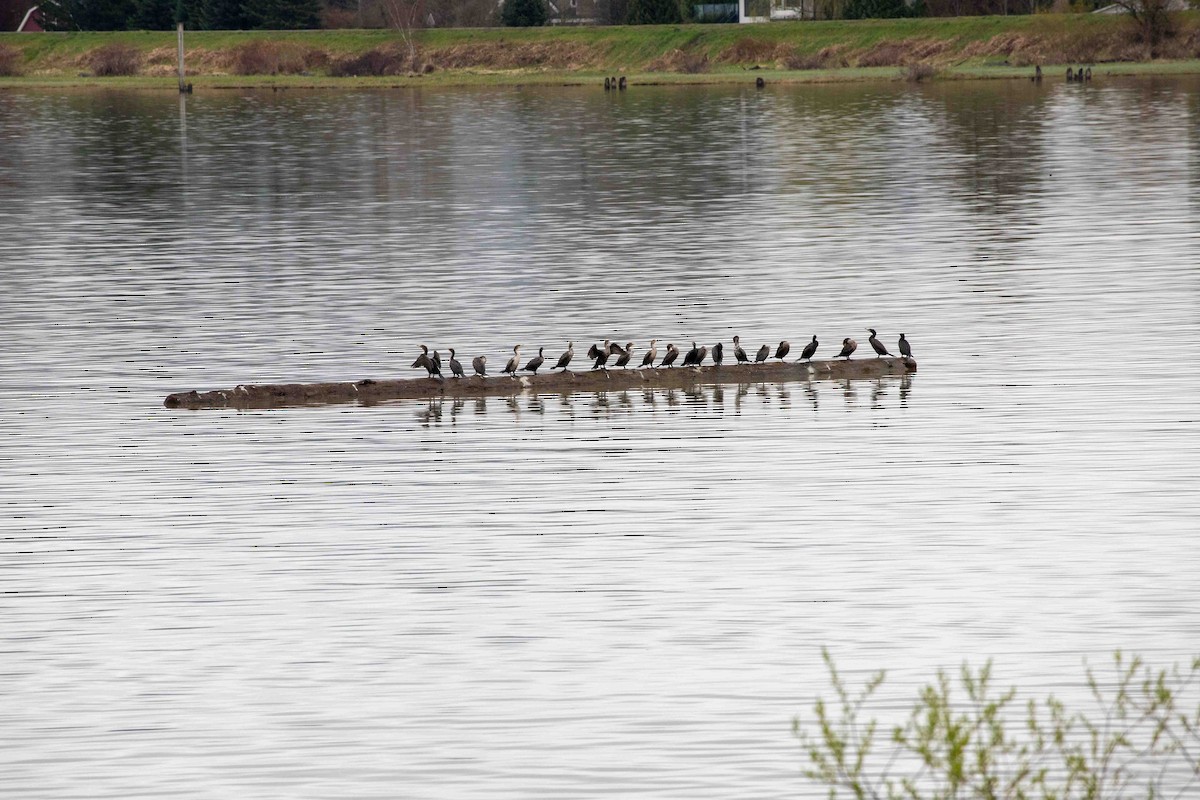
{"points": [[616, 595]]}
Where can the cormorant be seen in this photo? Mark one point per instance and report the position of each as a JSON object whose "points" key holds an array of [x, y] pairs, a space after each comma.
{"points": [[702, 354], [535, 362], [848, 347], [651, 354], [782, 350], [601, 356], [566, 357], [434, 365], [763, 353], [738, 352], [626, 354], [810, 349], [692, 358], [479, 363], [455, 368], [718, 353], [878, 346], [615, 349], [905, 348], [422, 361], [669, 358], [514, 363]]}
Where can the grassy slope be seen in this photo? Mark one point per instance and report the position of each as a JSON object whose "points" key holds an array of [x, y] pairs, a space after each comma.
{"points": [[55, 58]]}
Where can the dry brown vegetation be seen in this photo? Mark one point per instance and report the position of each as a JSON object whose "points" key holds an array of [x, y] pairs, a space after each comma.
{"points": [[682, 61], [263, 57], [114, 59], [10, 61], [902, 53], [514, 55], [380, 61]]}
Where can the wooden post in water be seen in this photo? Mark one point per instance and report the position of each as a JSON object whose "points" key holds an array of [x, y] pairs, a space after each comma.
{"points": [[179, 32]]}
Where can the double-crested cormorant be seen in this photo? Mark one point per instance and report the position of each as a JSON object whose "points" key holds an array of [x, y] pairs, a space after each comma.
{"points": [[718, 353], [601, 355], [693, 356], [615, 349], [905, 348], [479, 363], [701, 354], [422, 361], [514, 363], [810, 349], [651, 354], [848, 347], [566, 357], [878, 346], [669, 358], [434, 365], [455, 368], [764, 353], [782, 351], [1070, 75], [738, 352], [535, 362], [626, 354]]}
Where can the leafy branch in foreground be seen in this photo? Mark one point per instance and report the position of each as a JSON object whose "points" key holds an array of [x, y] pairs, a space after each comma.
{"points": [[1139, 737]]}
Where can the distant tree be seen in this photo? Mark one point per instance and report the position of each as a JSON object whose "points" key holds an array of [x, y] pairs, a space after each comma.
{"points": [[654, 12], [87, 15], [1153, 21], [153, 15], [523, 13], [282, 14], [876, 9]]}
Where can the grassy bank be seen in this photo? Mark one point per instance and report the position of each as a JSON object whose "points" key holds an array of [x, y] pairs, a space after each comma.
{"points": [[963, 47]]}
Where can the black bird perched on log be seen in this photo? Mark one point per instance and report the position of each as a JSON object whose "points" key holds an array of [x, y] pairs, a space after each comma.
{"points": [[651, 354], [878, 346], [693, 356], [718, 353], [782, 350], [763, 353], [615, 349], [809, 350], [601, 355], [626, 354], [738, 352], [702, 354], [479, 363], [434, 365], [566, 357], [514, 363], [669, 358], [848, 347], [422, 361], [905, 348], [535, 362], [455, 368]]}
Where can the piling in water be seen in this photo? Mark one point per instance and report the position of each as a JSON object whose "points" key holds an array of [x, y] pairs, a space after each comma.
{"points": [[280, 395]]}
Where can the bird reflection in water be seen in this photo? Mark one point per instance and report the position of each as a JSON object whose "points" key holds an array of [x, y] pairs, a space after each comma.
{"points": [[606, 405]]}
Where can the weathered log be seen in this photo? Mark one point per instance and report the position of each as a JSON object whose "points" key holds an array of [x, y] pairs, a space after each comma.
{"points": [[279, 395]]}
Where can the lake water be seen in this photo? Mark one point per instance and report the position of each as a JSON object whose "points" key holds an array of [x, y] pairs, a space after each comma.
{"points": [[616, 595]]}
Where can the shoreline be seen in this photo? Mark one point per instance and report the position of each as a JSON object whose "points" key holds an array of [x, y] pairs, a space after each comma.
{"points": [[1054, 73], [787, 53]]}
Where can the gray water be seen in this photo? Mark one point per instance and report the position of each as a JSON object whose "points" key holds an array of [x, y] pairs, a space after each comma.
{"points": [[613, 595]]}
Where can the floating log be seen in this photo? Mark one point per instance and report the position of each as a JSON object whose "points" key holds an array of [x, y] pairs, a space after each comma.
{"points": [[279, 395]]}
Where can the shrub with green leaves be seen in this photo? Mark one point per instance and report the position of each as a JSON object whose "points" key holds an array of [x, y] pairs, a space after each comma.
{"points": [[523, 13], [1140, 737]]}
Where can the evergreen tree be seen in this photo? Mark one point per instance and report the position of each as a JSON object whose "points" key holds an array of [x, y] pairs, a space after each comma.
{"points": [[876, 9], [153, 15], [654, 12], [87, 15], [523, 13], [282, 14]]}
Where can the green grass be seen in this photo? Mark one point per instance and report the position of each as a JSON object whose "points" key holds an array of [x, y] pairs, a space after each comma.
{"points": [[57, 59]]}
